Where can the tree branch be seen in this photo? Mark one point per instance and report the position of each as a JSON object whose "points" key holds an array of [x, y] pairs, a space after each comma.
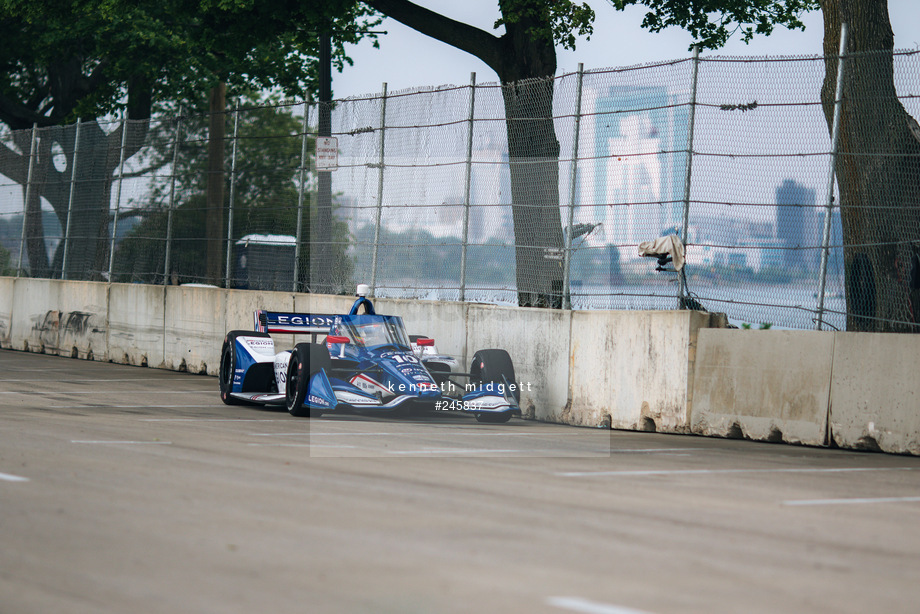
{"points": [[13, 164], [96, 79], [485, 46], [17, 115]]}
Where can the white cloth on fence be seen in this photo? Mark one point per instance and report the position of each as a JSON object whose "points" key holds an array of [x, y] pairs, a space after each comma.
{"points": [[670, 244]]}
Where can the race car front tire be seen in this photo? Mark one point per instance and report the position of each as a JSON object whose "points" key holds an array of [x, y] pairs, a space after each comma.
{"points": [[228, 365], [307, 359], [493, 366], [493, 417], [490, 366]]}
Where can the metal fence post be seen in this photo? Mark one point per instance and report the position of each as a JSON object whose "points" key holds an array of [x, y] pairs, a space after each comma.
{"points": [[691, 123], [172, 199], [300, 195], [25, 204], [236, 130], [73, 183], [121, 178], [383, 120], [466, 191], [835, 140], [569, 231]]}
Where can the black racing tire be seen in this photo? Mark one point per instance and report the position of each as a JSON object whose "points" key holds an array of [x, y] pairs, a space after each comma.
{"points": [[228, 364], [494, 417], [488, 366], [306, 360]]}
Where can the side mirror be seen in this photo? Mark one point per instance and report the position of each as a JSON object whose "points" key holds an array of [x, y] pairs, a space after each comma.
{"points": [[337, 339], [424, 342]]}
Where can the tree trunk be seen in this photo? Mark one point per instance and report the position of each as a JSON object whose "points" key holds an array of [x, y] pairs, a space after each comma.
{"points": [[214, 225], [97, 161], [878, 171], [525, 60], [34, 224], [321, 273], [533, 152], [89, 238], [527, 70]]}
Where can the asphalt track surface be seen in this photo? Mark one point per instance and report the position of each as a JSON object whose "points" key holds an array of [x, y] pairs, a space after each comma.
{"points": [[134, 490]]}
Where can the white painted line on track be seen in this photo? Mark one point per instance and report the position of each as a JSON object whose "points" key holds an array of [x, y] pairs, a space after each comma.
{"points": [[577, 604], [106, 406], [12, 369], [653, 451], [457, 451], [117, 442], [31, 392], [6, 477], [858, 501], [311, 434], [208, 419], [652, 472], [92, 381], [296, 445], [376, 434]]}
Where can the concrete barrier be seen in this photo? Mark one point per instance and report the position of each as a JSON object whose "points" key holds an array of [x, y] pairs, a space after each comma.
{"points": [[443, 322], [7, 289], [669, 371], [59, 317], [538, 342], [875, 392], [763, 385], [136, 321], [631, 369], [196, 322], [322, 303]]}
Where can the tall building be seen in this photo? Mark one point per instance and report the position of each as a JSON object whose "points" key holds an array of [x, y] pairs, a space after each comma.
{"points": [[795, 222], [634, 184], [490, 192]]}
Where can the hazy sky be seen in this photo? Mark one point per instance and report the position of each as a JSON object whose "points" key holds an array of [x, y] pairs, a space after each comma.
{"points": [[408, 59]]}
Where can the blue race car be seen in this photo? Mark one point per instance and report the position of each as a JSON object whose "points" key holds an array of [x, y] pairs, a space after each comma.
{"points": [[360, 362]]}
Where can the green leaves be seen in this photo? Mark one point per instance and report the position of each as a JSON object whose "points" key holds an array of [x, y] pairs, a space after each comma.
{"points": [[62, 60], [557, 20], [713, 22]]}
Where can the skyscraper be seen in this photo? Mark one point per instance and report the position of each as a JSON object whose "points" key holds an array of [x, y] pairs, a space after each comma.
{"points": [[795, 221], [636, 178]]}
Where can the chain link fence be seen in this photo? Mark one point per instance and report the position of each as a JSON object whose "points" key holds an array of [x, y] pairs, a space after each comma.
{"points": [[537, 194]]}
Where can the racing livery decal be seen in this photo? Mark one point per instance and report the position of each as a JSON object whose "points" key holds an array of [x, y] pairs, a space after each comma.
{"points": [[360, 362]]}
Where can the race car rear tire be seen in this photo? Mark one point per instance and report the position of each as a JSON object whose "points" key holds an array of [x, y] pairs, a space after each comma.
{"points": [[228, 364], [489, 366], [307, 359]]}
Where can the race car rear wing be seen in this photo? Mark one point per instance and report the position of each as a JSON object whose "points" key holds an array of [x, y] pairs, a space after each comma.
{"points": [[293, 323]]}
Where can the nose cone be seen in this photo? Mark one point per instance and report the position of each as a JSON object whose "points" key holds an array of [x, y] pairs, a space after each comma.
{"points": [[429, 391]]}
